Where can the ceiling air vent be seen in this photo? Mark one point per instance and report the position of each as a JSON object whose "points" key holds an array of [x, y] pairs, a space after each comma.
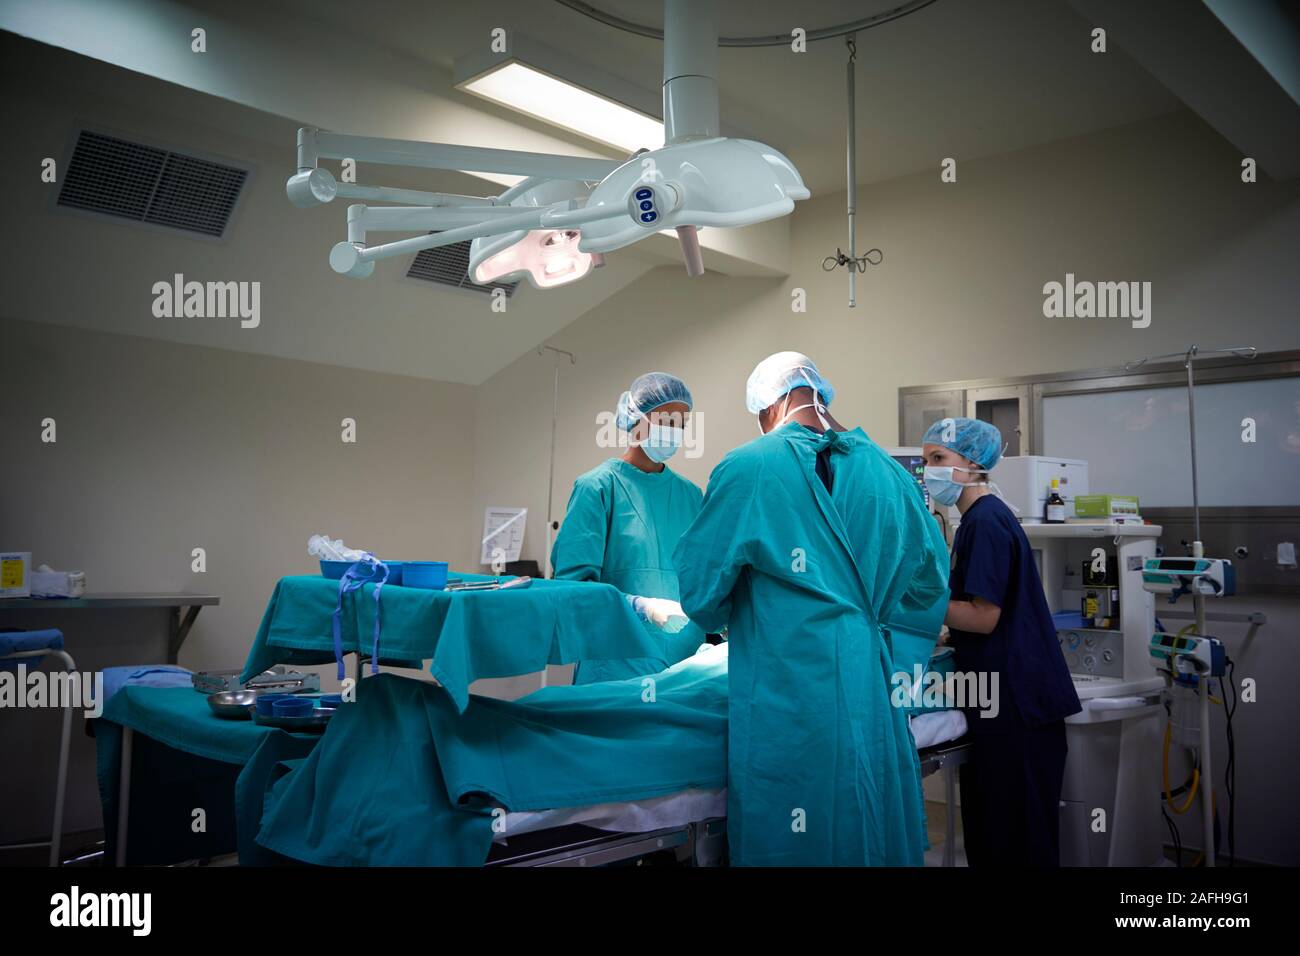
{"points": [[147, 184], [449, 265]]}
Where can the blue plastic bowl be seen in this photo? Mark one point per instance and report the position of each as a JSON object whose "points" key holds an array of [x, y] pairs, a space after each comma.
{"points": [[330, 700], [334, 570], [265, 702], [292, 707], [425, 574]]}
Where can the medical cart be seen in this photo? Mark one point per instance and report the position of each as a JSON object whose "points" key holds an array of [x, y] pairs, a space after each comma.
{"points": [[1110, 811]]}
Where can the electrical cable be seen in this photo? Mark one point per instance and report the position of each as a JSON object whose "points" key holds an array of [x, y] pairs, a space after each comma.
{"points": [[771, 39], [1230, 772], [1175, 839]]}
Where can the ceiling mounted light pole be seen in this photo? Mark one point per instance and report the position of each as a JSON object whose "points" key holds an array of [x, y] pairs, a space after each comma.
{"points": [[690, 91], [699, 177]]}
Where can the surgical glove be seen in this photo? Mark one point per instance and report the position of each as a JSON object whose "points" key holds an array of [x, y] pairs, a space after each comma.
{"points": [[667, 615]]}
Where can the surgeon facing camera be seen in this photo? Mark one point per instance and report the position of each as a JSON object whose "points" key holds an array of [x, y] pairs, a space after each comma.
{"points": [[624, 519], [999, 623]]}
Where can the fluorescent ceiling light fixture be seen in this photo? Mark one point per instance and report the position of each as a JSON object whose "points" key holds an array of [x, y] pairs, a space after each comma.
{"points": [[526, 89], [503, 179]]}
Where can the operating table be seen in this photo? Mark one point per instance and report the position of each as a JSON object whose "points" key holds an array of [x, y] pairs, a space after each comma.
{"points": [[690, 827]]}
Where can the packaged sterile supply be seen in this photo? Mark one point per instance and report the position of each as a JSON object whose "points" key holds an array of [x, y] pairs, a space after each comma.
{"points": [[48, 583], [320, 546], [15, 574]]}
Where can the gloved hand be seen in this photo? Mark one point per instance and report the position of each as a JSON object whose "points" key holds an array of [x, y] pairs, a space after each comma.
{"points": [[667, 615]]}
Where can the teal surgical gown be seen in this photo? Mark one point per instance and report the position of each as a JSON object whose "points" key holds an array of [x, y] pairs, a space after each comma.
{"points": [[821, 766], [620, 528]]}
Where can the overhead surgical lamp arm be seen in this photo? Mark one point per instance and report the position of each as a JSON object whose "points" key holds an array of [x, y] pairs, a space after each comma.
{"points": [[315, 144], [351, 258], [419, 196], [363, 219]]}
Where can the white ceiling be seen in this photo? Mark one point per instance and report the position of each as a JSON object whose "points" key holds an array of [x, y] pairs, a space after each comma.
{"points": [[962, 78]]}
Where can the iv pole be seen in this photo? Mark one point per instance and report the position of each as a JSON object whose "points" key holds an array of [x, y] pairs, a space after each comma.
{"points": [[853, 170], [551, 526], [852, 261], [1198, 600]]}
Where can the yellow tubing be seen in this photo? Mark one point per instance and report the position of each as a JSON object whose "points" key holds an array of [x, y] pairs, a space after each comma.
{"points": [[1196, 773]]}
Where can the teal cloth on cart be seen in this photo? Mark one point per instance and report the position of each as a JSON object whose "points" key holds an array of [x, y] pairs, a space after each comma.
{"points": [[178, 717], [467, 635], [402, 778]]}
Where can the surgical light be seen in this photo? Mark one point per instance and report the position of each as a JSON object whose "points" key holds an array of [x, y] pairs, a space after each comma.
{"points": [[546, 257], [524, 88], [698, 178], [707, 182], [554, 227]]}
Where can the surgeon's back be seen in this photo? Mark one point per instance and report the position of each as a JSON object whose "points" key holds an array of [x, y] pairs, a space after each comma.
{"points": [[894, 539], [804, 576]]}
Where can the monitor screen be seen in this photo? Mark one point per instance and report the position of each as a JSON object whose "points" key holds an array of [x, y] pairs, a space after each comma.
{"points": [[914, 465]]}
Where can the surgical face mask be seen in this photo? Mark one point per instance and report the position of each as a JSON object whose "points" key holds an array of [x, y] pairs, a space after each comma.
{"points": [[662, 442], [941, 485]]}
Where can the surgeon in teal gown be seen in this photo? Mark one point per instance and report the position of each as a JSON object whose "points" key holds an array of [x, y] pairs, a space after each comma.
{"points": [[623, 521], [809, 539]]}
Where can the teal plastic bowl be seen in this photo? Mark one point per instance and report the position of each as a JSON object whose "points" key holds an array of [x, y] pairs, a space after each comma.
{"points": [[431, 575]]}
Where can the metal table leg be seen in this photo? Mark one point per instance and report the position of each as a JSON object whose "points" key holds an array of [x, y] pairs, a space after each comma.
{"points": [[55, 843], [178, 630], [56, 833], [124, 794], [950, 794]]}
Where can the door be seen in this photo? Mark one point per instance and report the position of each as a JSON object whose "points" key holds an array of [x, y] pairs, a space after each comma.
{"points": [[1006, 407]]}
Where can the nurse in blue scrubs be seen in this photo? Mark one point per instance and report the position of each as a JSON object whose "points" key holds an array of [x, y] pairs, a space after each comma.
{"points": [[999, 623]]}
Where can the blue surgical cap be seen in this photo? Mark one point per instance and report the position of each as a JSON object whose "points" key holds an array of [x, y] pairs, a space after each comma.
{"points": [[979, 441], [779, 374], [647, 393]]}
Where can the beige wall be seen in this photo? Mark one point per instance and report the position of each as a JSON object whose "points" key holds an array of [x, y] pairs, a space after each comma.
{"points": [[164, 448]]}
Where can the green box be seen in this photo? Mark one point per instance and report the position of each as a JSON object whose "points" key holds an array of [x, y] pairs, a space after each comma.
{"points": [[1106, 506]]}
